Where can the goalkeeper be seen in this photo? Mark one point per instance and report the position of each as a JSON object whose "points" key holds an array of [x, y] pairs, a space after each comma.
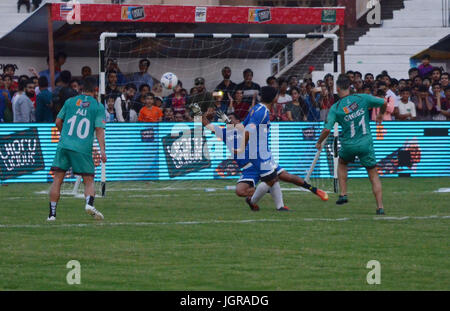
{"points": [[352, 113], [232, 136]]}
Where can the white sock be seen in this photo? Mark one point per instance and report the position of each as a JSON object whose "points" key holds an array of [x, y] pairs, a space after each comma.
{"points": [[260, 191], [277, 195]]}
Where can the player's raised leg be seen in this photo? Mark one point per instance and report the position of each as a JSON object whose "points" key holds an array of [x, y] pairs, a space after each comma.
{"points": [[298, 181], [55, 192], [377, 189], [342, 176], [89, 194]]}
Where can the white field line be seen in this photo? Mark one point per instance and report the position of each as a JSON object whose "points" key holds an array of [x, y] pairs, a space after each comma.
{"points": [[207, 222]]}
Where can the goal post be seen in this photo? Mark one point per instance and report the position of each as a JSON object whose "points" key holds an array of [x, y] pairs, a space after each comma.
{"points": [[105, 36]]}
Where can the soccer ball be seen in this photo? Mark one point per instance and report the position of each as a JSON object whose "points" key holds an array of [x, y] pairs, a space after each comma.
{"points": [[169, 80]]}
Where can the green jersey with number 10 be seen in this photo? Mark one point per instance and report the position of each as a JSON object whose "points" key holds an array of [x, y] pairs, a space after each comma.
{"points": [[81, 115], [352, 114]]}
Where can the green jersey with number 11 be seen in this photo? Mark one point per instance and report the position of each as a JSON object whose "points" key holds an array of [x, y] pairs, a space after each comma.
{"points": [[81, 115], [352, 114]]}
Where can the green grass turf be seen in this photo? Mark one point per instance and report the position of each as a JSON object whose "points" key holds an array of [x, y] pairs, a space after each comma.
{"points": [[154, 238]]}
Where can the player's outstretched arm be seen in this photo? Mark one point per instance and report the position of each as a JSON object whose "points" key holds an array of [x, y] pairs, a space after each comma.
{"points": [[382, 111], [100, 133], [323, 136]]}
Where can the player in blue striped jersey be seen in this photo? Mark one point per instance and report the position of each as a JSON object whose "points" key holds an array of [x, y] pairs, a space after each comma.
{"points": [[233, 136]]}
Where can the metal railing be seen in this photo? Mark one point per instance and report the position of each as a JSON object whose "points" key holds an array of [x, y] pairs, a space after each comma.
{"points": [[285, 57], [445, 13]]}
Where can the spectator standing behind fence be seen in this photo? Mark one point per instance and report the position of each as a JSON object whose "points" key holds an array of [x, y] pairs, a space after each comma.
{"points": [[424, 105], [311, 100], [44, 105], [5, 103], [227, 86], [383, 91], [296, 110], [250, 89], [63, 92], [200, 97], [283, 96], [60, 60], [110, 112], [113, 66], [176, 101], [437, 101], [142, 77], [12, 85], [150, 112], [445, 109], [326, 100], [124, 105], [23, 109], [406, 109], [238, 106], [112, 88]]}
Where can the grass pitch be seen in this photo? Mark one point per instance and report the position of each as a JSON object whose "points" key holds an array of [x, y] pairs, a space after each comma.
{"points": [[176, 236]]}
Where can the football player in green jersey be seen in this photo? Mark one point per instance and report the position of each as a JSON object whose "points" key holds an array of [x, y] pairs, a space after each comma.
{"points": [[80, 117], [352, 113]]}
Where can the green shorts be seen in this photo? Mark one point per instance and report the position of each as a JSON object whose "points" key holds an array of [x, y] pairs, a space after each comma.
{"points": [[81, 163], [364, 152]]}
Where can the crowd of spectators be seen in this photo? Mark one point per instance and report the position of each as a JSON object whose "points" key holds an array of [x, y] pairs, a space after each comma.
{"points": [[423, 95]]}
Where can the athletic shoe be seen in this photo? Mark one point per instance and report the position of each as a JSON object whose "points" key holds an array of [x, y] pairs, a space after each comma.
{"points": [[322, 194], [253, 207], [283, 209], [93, 212], [51, 214], [342, 200], [380, 211]]}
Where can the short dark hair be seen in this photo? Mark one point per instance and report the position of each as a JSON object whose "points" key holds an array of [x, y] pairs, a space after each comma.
{"points": [[130, 86], [271, 78], [394, 82], [42, 81], [145, 60], [358, 73], [436, 83], [141, 87], [405, 89], [268, 94], [423, 88], [234, 115], [248, 70], [437, 69], [343, 82], [150, 94], [426, 56], [65, 76], [89, 84], [60, 54], [412, 70], [9, 66], [327, 76], [350, 72], [444, 74], [368, 74], [23, 84]]}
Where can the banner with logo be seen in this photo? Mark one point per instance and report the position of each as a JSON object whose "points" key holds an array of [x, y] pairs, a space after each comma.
{"points": [[182, 151]]}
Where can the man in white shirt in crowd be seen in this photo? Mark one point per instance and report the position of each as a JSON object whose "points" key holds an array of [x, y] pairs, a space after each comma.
{"points": [[23, 108]]}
